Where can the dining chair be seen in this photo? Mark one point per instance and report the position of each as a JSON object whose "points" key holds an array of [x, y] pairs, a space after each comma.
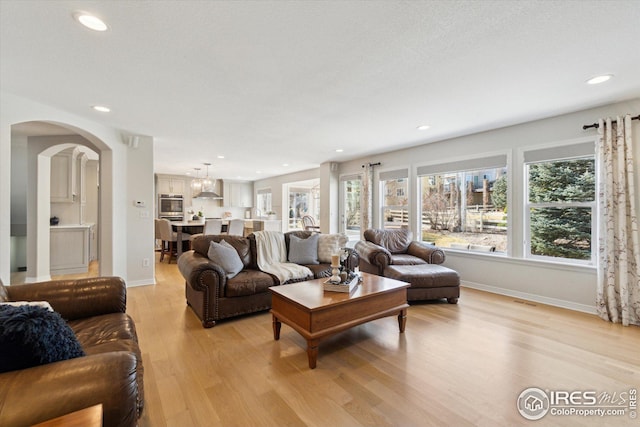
{"points": [[170, 239], [236, 227], [309, 223], [156, 223], [211, 226]]}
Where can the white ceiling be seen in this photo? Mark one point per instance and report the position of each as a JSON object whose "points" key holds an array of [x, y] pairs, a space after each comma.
{"points": [[271, 82]]}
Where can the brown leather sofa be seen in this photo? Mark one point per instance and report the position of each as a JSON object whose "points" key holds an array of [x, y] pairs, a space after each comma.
{"points": [[110, 374], [213, 296], [393, 253]]}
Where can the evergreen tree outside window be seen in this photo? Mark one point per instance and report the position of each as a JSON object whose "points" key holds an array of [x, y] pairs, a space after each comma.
{"points": [[561, 209]]}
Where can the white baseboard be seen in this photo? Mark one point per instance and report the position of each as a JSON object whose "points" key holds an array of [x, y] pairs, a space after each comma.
{"points": [[531, 297], [141, 283]]}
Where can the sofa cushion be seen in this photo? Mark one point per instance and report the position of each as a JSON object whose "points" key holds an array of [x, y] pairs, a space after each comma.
{"points": [[406, 259], [249, 282], [329, 244], [395, 241], [303, 251], [226, 256], [32, 335]]}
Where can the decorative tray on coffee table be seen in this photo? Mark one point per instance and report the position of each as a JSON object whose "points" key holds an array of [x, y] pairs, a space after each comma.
{"points": [[347, 286]]}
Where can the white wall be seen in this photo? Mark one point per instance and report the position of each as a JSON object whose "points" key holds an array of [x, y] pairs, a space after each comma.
{"points": [[140, 226], [567, 286], [117, 249], [279, 199]]}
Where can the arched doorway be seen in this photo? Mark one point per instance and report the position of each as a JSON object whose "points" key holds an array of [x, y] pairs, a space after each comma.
{"points": [[33, 145]]}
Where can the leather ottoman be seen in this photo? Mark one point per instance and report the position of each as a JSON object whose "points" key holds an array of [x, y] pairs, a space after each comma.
{"points": [[428, 281]]}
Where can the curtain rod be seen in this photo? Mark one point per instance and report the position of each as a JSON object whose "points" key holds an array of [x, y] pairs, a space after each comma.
{"points": [[596, 126]]}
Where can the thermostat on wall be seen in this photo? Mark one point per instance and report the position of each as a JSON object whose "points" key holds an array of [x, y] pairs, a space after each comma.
{"points": [[138, 203]]}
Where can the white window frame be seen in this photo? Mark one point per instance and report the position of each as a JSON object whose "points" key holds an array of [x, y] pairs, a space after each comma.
{"points": [[571, 151], [391, 175], [465, 164]]}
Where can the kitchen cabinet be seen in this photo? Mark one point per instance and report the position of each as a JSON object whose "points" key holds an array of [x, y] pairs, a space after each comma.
{"points": [[168, 184], [238, 194], [63, 176], [70, 248]]}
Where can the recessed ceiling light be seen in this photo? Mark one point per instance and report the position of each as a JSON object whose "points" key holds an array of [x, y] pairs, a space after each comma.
{"points": [[101, 108], [599, 79], [258, 171], [285, 164], [90, 21], [221, 157], [339, 150], [423, 127]]}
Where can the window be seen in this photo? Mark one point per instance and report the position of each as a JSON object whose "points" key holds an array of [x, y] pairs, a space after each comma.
{"points": [[560, 204], [395, 200], [263, 201], [464, 204]]}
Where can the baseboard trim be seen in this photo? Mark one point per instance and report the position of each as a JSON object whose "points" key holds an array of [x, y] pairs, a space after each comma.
{"points": [[141, 283], [531, 297]]}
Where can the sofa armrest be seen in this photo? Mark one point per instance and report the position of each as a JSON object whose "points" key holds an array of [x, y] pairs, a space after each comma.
{"points": [[33, 395], [77, 298], [429, 253], [373, 254], [201, 273]]}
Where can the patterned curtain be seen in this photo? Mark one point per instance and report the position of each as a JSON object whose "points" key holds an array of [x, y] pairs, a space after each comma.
{"points": [[618, 292]]}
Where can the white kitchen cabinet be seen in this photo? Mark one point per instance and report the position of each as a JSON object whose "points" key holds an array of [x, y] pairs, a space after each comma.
{"points": [[168, 184], [238, 194], [63, 176], [70, 247]]}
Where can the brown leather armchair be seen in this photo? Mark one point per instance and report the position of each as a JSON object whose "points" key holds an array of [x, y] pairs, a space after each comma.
{"points": [[110, 373], [393, 254], [382, 248]]}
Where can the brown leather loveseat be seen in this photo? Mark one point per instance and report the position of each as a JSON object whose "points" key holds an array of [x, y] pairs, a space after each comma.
{"points": [[110, 373], [213, 296]]}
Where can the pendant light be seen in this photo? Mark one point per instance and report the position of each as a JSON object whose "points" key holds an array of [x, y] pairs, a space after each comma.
{"points": [[196, 184], [207, 187]]}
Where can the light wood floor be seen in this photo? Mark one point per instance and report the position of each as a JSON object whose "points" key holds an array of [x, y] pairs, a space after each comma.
{"points": [[456, 365]]}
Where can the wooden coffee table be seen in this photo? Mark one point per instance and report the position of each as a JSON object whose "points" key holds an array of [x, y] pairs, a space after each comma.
{"points": [[316, 314]]}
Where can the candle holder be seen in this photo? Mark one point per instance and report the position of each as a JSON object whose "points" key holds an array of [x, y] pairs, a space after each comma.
{"points": [[335, 273]]}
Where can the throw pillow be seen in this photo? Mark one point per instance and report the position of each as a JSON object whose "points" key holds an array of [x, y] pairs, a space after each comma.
{"points": [[329, 244], [303, 251], [32, 335], [226, 257]]}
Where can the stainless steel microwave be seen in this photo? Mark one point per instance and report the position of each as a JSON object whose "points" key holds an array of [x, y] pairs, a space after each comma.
{"points": [[170, 205]]}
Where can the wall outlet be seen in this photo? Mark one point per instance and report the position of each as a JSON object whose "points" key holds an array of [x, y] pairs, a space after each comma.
{"points": [[145, 262]]}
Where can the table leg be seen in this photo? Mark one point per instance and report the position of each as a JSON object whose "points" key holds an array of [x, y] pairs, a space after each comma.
{"points": [[276, 327], [312, 353], [179, 232], [402, 319]]}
